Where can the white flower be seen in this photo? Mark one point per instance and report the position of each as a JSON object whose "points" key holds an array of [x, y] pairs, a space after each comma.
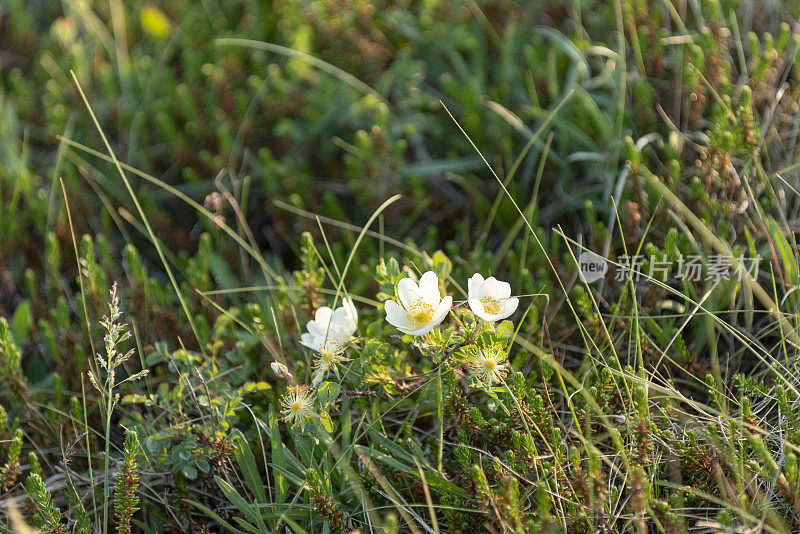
{"points": [[489, 365], [421, 306], [491, 299], [297, 405], [343, 320], [327, 335], [331, 328], [334, 339]]}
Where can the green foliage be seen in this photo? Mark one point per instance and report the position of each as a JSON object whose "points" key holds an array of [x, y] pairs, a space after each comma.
{"points": [[10, 468], [126, 500], [46, 516], [259, 136], [10, 359]]}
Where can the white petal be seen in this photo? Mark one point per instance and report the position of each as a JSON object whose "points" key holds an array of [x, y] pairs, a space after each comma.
{"points": [[429, 287], [442, 310], [352, 312], [322, 319], [510, 306], [481, 290], [503, 290], [323, 314], [408, 292], [342, 319], [475, 305], [337, 336], [420, 332], [490, 286], [477, 308], [473, 284], [318, 376], [396, 315], [310, 341]]}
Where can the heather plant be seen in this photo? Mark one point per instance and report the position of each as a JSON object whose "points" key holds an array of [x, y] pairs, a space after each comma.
{"points": [[126, 500], [46, 516]]}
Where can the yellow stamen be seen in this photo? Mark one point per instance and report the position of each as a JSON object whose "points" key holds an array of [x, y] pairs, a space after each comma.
{"points": [[488, 365], [490, 305], [420, 313], [297, 405]]}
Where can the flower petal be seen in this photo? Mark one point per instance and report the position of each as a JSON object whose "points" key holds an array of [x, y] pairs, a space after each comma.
{"points": [[473, 284], [323, 314], [322, 319], [310, 341], [510, 306], [490, 286], [503, 290], [482, 290], [442, 310], [408, 292], [477, 308], [352, 311], [396, 315], [342, 319], [420, 332], [429, 288]]}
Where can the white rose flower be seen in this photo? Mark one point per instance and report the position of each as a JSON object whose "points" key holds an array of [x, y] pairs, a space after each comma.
{"points": [[421, 306], [491, 299]]}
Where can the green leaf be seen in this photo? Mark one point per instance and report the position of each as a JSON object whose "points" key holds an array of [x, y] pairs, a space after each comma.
{"points": [[247, 463], [393, 268], [784, 250], [504, 329], [249, 510], [21, 322], [327, 392], [214, 516], [326, 422], [442, 265], [277, 456], [255, 386]]}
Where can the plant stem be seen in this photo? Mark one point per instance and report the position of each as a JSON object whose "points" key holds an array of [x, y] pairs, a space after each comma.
{"points": [[440, 416], [108, 451]]}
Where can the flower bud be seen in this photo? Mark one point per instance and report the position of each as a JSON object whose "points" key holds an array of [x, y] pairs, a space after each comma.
{"points": [[281, 370]]}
